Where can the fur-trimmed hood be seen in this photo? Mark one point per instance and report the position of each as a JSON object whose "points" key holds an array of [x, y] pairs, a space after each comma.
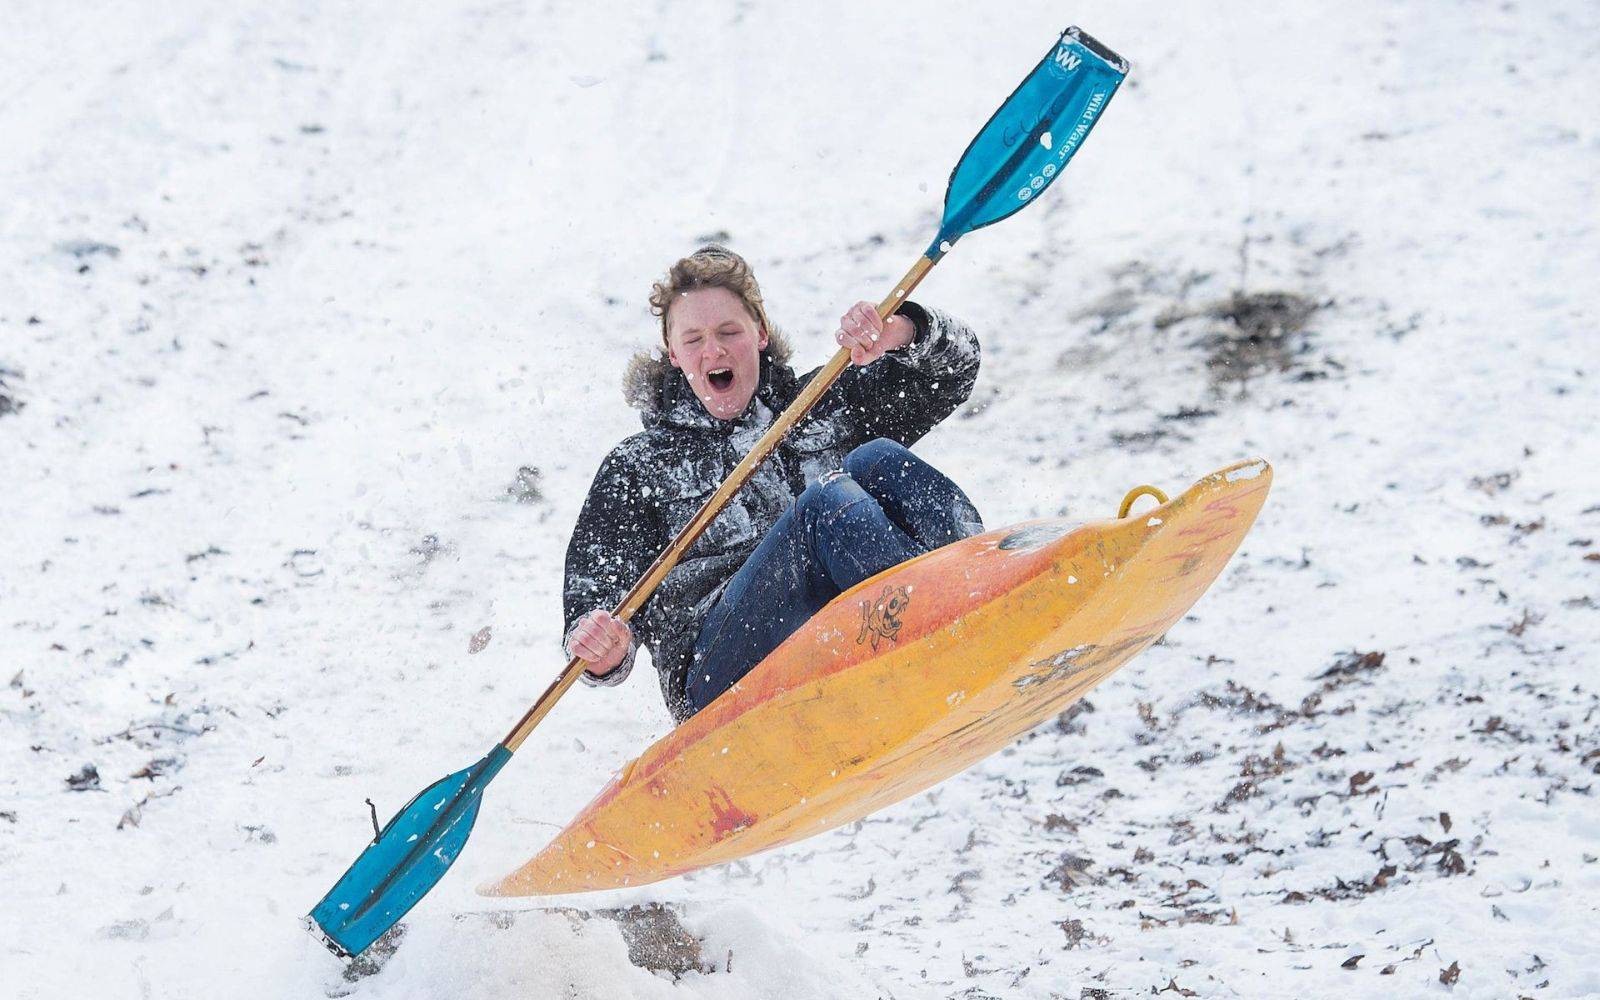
{"points": [[661, 394]]}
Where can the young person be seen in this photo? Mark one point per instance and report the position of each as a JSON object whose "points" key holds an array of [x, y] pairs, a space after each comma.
{"points": [[839, 500]]}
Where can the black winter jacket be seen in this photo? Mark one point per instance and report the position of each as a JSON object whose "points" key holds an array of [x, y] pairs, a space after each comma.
{"points": [[651, 484]]}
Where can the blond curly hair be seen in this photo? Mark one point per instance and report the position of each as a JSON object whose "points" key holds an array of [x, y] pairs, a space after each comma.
{"points": [[711, 266]]}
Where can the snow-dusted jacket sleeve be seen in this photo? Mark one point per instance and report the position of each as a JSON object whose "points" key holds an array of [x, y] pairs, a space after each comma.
{"points": [[902, 395], [613, 544]]}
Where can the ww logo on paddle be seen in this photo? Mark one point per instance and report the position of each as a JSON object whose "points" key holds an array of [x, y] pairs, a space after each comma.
{"points": [[1066, 59]]}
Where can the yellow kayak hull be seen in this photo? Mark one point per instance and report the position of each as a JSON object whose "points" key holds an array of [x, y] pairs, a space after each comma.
{"points": [[900, 682]]}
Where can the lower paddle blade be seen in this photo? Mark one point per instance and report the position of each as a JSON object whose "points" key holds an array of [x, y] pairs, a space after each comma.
{"points": [[407, 859], [1029, 140]]}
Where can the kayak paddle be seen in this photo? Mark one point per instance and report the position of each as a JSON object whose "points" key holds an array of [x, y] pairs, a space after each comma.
{"points": [[1017, 154]]}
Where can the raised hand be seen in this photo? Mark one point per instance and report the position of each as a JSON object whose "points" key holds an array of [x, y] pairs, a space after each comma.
{"points": [[868, 336]]}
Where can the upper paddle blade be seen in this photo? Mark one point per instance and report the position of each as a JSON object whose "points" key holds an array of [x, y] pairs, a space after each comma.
{"points": [[1030, 139], [412, 853]]}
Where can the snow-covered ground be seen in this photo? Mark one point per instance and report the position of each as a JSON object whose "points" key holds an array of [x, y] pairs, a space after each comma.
{"points": [[289, 293]]}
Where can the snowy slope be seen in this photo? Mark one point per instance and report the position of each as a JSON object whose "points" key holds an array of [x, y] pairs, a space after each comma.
{"points": [[289, 292]]}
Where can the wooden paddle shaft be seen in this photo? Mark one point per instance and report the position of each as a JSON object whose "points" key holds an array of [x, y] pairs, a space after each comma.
{"points": [[658, 570]]}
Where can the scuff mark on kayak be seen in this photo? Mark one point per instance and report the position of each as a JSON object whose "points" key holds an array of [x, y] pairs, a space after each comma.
{"points": [[728, 818]]}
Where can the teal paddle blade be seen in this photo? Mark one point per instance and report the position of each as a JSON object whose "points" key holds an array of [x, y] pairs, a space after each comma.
{"points": [[1026, 144], [406, 859]]}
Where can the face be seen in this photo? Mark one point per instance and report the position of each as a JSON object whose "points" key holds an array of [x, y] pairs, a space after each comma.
{"points": [[717, 345]]}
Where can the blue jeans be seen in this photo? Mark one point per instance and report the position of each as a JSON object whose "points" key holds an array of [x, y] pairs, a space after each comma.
{"points": [[884, 507]]}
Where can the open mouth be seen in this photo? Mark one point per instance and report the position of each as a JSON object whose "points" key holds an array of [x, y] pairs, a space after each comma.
{"points": [[721, 378]]}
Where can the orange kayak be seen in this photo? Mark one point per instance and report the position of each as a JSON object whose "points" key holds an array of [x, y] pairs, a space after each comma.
{"points": [[900, 682]]}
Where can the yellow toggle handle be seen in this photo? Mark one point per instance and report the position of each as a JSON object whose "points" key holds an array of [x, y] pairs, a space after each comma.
{"points": [[1136, 493]]}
